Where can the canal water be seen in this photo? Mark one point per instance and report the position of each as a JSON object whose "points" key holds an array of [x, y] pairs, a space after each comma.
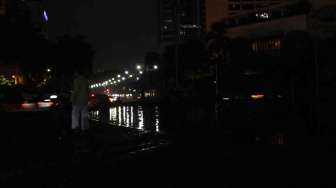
{"points": [[146, 118], [155, 118]]}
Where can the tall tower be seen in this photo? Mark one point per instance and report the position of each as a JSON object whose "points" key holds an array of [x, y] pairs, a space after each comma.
{"points": [[181, 19]]}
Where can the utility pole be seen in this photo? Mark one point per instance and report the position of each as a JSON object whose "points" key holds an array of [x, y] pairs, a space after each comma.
{"points": [[315, 115], [177, 42]]}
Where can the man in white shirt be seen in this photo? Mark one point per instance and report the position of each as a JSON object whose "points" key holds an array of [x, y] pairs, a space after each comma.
{"points": [[79, 99]]}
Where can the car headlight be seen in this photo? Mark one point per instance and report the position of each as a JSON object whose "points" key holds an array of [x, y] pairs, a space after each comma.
{"points": [[53, 97]]}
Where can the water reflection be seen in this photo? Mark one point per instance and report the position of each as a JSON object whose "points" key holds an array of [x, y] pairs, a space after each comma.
{"points": [[139, 117]]}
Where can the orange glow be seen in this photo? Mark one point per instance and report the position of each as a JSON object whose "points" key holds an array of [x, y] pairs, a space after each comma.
{"points": [[257, 96]]}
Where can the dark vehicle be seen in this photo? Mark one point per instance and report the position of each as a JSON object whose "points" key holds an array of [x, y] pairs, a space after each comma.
{"points": [[30, 123], [16, 99]]}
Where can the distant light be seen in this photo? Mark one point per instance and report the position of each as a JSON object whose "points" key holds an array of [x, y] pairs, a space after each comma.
{"points": [[141, 72], [226, 98], [53, 97], [118, 76], [27, 105], [45, 16], [45, 104], [130, 76], [138, 67], [13, 76], [156, 67], [137, 78], [110, 80], [123, 78], [257, 96], [48, 70], [119, 81], [126, 72]]}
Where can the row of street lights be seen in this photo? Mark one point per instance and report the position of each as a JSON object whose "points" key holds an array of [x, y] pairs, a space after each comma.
{"points": [[119, 78]]}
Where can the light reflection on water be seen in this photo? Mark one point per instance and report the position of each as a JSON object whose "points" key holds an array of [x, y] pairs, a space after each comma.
{"points": [[138, 117]]}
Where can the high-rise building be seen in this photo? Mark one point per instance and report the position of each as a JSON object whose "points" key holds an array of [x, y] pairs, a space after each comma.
{"points": [[223, 9], [2, 7], [181, 19]]}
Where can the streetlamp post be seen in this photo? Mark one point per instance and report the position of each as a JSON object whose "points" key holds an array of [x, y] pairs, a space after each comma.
{"points": [[177, 42]]}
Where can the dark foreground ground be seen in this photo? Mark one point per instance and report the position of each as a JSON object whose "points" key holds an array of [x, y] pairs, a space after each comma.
{"points": [[111, 156]]}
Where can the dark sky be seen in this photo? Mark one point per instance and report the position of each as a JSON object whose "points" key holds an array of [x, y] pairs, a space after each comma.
{"points": [[121, 31]]}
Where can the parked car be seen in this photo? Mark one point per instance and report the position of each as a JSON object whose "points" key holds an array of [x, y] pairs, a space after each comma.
{"points": [[29, 119], [17, 99]]}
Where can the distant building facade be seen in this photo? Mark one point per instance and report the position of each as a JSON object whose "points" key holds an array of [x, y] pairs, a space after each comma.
{"points": [[181, 19], [317, 19], [217, 10]]}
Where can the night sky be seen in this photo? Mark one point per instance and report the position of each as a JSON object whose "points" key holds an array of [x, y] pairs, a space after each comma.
{"points": [[120, 31]]}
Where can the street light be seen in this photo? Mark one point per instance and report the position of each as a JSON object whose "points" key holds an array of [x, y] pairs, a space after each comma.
{"points": [[48, 70], [156, 67], [140, 72], [118, 76], [139, 67], [126, 72]]}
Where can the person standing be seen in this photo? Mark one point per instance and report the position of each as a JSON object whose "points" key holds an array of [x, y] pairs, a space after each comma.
{"points": [[79, 100]]}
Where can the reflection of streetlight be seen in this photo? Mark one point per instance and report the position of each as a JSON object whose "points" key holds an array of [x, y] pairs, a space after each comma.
{"points": [[138, 67], [156, 67], [126, 72]]}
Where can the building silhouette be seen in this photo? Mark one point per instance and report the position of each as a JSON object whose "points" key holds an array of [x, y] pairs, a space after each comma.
{"points": [[181, 19]]}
